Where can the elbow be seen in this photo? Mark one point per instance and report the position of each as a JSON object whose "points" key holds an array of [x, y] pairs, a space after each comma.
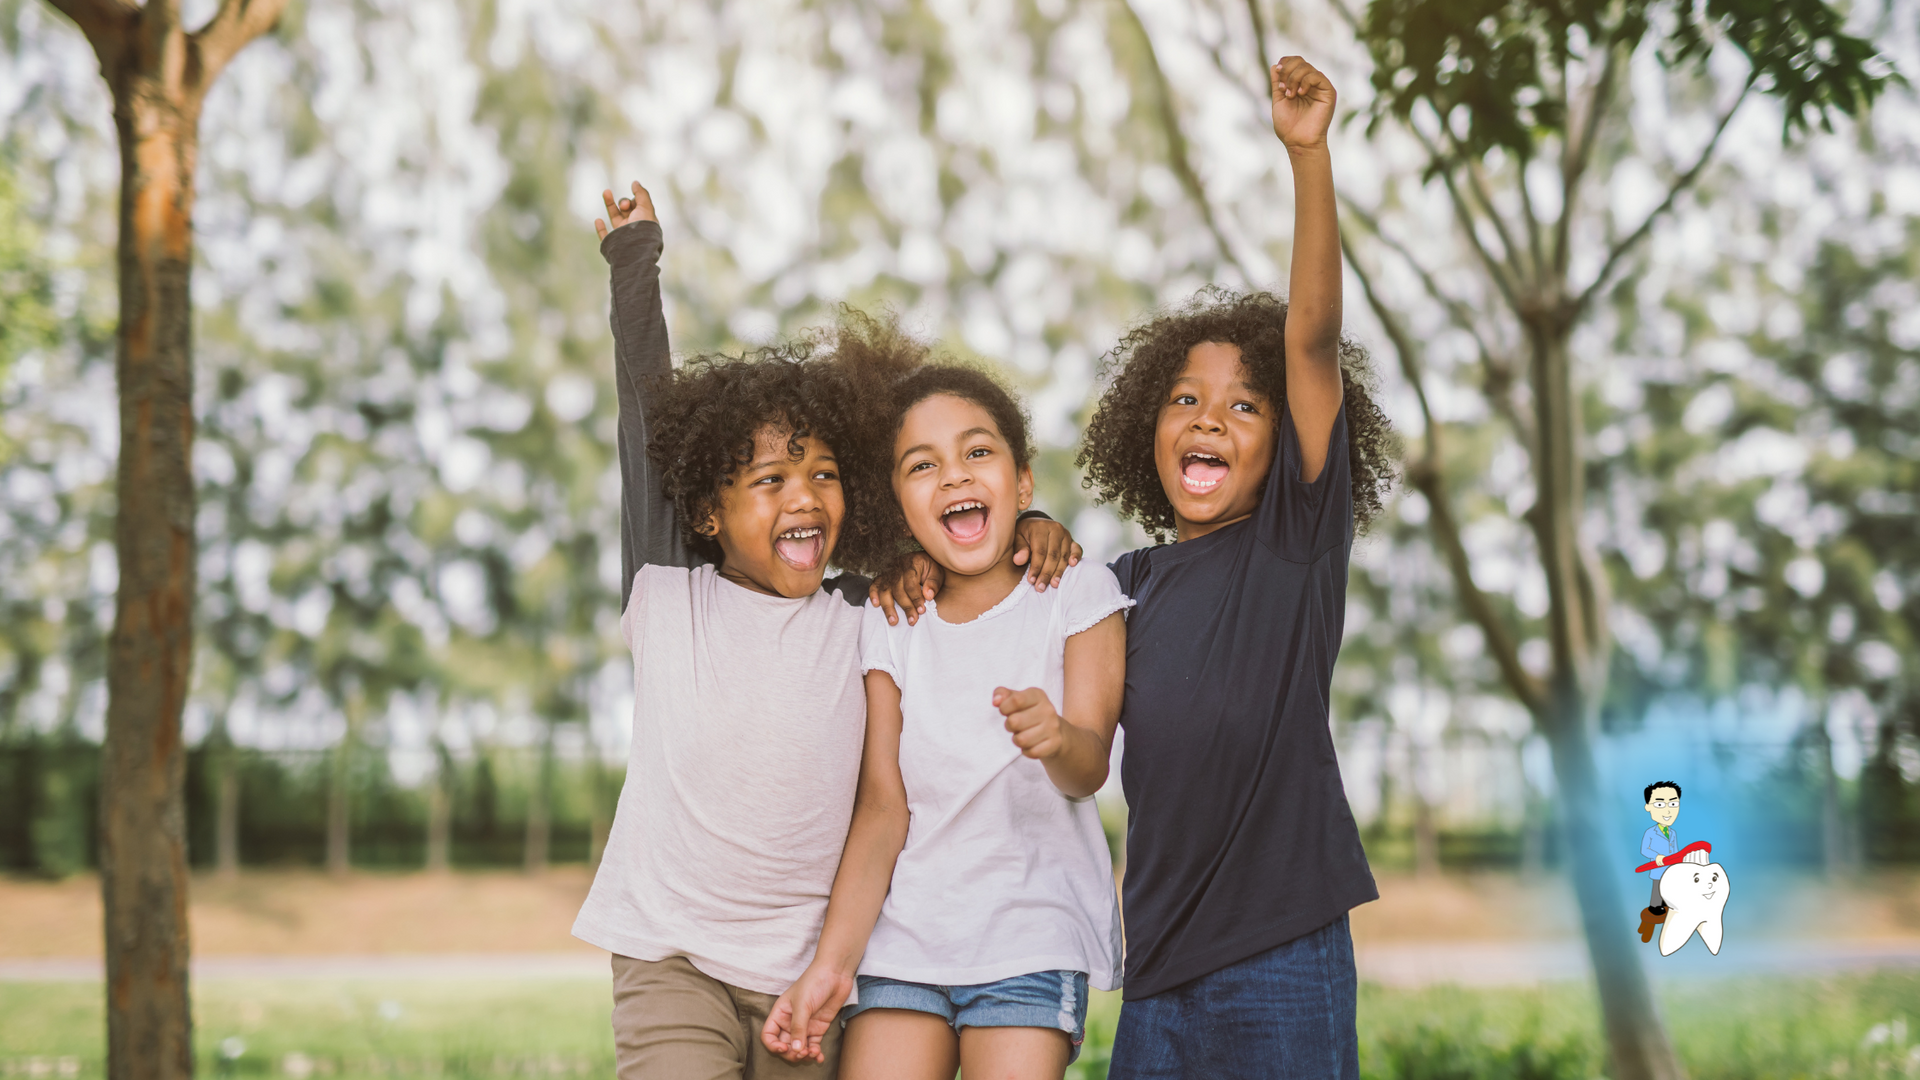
{"points": [[1087, 784]]}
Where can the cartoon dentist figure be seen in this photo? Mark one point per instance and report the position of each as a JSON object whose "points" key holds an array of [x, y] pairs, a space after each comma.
{"points": [[1689, 890], [1659, 843]]}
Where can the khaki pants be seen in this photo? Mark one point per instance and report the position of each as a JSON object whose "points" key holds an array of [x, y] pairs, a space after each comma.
{"points": [[673, 1022]]}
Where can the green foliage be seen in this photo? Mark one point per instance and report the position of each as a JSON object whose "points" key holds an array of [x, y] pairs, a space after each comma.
{"points": [[26, 284], [1501, 65]]}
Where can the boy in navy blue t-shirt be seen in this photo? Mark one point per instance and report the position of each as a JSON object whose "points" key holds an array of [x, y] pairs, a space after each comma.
{"points": [[1238, 425]]}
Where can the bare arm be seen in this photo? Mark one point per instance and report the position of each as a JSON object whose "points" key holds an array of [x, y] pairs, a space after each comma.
{"points": [[1075, 743], [649, 531], [1303, 103], [803, 1015]]}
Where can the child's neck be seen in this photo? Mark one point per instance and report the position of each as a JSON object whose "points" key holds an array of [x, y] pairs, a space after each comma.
{"points": [[966, 597]]}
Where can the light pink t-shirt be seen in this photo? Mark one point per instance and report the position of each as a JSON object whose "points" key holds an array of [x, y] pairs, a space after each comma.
{"points": [[748, 723]]}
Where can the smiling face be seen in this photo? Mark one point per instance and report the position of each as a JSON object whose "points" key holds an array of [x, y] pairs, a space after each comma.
{"points": [[1696, 898], [958, 484], [1214, 441], [779, 515], [1664, 806]]}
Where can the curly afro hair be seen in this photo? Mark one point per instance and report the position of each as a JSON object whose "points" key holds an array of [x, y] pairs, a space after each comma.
{"points": [[706, 415], [1118, 452], [891, 372]]}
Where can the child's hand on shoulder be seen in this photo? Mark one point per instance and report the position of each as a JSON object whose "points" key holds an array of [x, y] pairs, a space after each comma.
{"points": [[1035, 724], [803, 1015], [1303, 100], [1046, 549], [908, 584], [625, 211]]}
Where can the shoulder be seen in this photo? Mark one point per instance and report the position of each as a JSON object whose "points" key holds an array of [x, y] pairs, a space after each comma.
{"points": [[851, 589], [881, 642], [1089, 593], [655, 579]]}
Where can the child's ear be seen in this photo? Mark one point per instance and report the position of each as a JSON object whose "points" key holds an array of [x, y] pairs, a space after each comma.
{"points": [[709, 526], [1026, 486]]}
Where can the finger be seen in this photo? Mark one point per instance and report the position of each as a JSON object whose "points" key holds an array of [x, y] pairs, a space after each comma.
{"points": [[600, 227], [1018, 700], [1290, 71], [882, 598], [626, 207], [1020, 555], [773, 1032], [607, 197], [643, 199]]}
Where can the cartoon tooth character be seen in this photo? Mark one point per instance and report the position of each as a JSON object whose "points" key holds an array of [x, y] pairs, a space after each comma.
{"points": [[1696, 897]]}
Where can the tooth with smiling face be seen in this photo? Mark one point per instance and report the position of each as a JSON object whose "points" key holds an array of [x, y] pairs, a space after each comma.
{"points": [[1696, 897]]}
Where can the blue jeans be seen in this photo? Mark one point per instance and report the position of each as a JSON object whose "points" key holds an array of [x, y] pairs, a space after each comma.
{"points": [[1284, 1014], [1043, 999]]}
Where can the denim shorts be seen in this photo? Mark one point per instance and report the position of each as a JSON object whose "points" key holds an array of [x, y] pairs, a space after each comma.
{"points": [[1044, 999]]}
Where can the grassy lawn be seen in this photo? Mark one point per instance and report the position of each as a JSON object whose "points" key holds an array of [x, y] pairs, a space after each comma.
{"points": [[1849, 1026]]}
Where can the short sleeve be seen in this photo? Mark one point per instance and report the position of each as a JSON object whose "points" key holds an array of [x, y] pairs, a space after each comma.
{"points": [[1089, 592], [1299, 521], [876, 643]]}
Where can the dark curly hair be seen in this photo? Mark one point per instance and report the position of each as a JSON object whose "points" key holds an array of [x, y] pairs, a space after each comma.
{"points": [[705, 416], [1118, 451], [890, 373], [1647, 797]]}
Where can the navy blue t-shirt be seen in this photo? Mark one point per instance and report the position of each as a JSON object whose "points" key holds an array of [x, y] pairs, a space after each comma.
{"points": [[1240, 837]]}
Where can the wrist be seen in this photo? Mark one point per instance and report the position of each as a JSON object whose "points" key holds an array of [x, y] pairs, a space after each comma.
{"points": [[838, 964], [1308, 154]]}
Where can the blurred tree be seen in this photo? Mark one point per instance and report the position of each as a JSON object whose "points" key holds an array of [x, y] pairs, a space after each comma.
{"points": [[1509, 103], [159, 74], [26, 286]]}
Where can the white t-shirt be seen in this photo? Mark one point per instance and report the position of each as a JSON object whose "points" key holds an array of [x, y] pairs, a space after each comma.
{"points": [[1002, 875], [749, 716]]}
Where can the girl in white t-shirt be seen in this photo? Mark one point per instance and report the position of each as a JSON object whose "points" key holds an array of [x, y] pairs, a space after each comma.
{"points": [[974, 903]]}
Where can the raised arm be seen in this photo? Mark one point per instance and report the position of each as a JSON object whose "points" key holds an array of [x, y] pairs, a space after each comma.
{"points": [[649, 531], [1303, 101]]}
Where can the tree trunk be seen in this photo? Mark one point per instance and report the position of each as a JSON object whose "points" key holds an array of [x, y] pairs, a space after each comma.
{"points": [[1533, 825], [1636, 1036], [143, 855], [1426, 837], [1835, 850], [227, 813], [158, 75], [439, 818], [599, 823], [540, 807], [339, 817]]}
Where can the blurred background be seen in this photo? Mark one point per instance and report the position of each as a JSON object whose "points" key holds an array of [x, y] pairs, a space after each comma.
{"points": [[410, 707]]}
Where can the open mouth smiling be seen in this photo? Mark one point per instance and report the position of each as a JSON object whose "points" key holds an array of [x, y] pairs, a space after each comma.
{"points": [[965, 521], [1202, 471], [801, 547]]}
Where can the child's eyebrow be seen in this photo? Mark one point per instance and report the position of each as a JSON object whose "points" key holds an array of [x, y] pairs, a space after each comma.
{"points": [[770, 462]]}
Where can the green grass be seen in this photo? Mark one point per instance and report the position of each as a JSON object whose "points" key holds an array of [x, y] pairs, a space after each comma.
{"points": [[1731, 1029]]}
